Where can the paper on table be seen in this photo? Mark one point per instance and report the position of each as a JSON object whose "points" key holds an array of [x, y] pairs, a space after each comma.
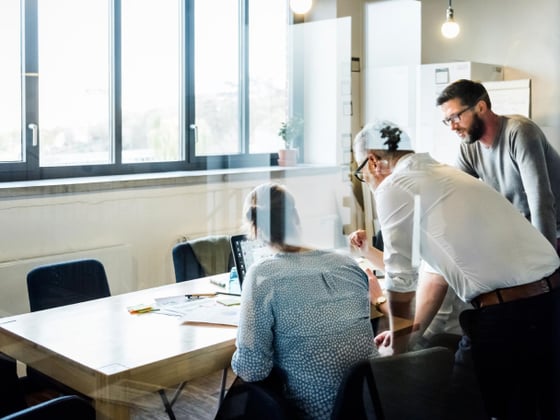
{"points": [[209, 311], [229, 300], [364, 263], [178, 305]]}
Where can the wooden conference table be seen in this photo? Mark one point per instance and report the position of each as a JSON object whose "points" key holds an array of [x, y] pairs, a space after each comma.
{"points": [[99, 349], [102, 351]]}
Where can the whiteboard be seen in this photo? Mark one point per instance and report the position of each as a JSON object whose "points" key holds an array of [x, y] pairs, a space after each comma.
{"points": [[510, 96]]}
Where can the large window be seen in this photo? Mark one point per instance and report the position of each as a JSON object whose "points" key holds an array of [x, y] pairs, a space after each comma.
{"points": [[10, 99], [99, 87]]}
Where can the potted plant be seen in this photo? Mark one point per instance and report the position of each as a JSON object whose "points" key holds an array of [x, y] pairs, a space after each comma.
{"points": [[290, 131]]}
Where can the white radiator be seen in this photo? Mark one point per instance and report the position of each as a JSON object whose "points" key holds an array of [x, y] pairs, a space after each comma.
{"points": [[117, 261]]}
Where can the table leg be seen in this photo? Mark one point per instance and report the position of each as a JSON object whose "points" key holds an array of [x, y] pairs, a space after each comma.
{"points": [[106, 410]]}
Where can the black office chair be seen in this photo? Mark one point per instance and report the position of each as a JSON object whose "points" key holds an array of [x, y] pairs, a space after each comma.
{"points": [[12, 396], [411, 385], [60, 284], [202, 257], [68, 407], [13, 404], [65, 283], [253, 401], [357, 397]]}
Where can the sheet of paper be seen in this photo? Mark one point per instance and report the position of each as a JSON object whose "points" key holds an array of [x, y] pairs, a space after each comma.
{"points": [[178, 305], [219, 310], [210, 311], [229, 300]]}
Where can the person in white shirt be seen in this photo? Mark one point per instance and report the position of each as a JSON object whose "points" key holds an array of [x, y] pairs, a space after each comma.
{"points": [[446, 322], [488, 253]]}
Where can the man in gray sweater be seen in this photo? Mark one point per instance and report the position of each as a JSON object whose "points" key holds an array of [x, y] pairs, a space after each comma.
{"points": [[509, 153]]}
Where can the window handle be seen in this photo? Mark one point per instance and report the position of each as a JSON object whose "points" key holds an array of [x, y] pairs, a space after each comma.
{"points": [[35, 132], [195, 128]]}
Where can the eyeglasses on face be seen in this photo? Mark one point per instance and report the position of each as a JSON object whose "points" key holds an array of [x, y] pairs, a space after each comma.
{"points": [[455, 118], [358, 172], [378, 163]]}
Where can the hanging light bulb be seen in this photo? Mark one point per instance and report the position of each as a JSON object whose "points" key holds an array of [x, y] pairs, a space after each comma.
{"points": [[300, 7], [450, 28]]}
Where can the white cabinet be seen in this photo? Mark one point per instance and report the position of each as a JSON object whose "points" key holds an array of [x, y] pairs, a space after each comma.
{"points": [[432, 135]]}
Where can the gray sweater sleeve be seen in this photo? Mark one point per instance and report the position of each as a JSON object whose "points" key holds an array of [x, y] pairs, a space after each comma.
{"points": [[517, 167], [527, 149]]}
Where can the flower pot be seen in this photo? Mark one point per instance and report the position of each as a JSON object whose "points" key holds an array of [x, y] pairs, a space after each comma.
{"points": [[287, 157]]}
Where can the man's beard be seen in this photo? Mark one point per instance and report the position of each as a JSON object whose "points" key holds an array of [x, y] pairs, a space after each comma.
{"points": [[475, 131]]}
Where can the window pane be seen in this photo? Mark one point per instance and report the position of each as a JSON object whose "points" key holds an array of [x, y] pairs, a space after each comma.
{"points": [[217, 76], [74, 82], [151, 85], [10, 82], [268, 92]]}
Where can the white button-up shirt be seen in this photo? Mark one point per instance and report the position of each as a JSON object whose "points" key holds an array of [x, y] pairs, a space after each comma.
{"points": [[469, 233]]}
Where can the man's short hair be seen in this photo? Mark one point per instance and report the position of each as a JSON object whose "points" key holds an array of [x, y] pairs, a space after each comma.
{"points": [[467, 91]]}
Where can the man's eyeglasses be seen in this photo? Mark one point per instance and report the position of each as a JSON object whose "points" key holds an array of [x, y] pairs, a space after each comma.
{"points": [[455, 118], [378, 163], [358, 172]]}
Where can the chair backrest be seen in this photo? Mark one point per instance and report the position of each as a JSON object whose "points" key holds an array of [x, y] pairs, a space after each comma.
{"points": [[423, 379], [403, 386], [357, 397], [12, 396], [202, 257], [65, 407], [65, 283], [185, 263], [251, 401]]}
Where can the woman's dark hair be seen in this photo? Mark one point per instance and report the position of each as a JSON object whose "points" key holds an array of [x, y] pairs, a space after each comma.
{"points": [[271, 215], [467, 91]]}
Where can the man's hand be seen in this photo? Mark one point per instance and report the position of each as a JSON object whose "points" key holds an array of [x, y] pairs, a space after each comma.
{"points": [[384, 338], [358, 239], [384, 341]]}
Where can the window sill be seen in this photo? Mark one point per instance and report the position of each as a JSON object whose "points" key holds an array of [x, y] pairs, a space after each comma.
{"points": [[179, 178]]}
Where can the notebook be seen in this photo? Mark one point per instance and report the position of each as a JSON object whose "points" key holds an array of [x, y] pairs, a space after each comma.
{"points": [[246, 252]]}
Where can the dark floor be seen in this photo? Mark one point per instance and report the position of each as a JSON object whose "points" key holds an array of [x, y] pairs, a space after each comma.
{"points": [[197, 401]]}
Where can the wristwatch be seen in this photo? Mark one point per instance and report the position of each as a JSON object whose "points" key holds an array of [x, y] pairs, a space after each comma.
{"points": [[379, 301]]}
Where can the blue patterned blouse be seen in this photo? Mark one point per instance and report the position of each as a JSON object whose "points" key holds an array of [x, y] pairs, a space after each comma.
{"points": [[307, 314]]}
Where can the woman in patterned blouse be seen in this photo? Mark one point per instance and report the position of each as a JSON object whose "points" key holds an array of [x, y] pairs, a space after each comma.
{"points": [[304, 312]]}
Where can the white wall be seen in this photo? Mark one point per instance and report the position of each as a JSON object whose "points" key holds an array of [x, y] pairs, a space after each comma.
{"points": [[522, 36]]}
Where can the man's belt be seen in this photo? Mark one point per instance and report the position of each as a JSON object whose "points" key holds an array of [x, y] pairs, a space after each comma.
{"points": [[524, 291]]}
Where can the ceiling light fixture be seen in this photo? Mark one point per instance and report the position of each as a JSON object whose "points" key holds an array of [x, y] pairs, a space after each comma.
{"points": [[450, 28], [301, 7]]}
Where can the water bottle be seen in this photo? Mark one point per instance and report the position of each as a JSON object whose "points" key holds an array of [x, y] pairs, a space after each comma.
{"points": [[233, 286]]}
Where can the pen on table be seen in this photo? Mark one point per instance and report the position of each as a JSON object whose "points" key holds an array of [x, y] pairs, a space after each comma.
{"points": [[144, 311], [199, 295], [228, 294]]}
